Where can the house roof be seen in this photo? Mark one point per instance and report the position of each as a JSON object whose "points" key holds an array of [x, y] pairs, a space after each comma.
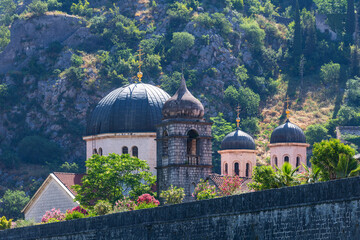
{"points": [[218, 180], [65, 180], [70, 179]]}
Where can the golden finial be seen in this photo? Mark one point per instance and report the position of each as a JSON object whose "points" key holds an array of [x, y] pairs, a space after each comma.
{"points": [[287, 107], [238, 117], [140, 74]]}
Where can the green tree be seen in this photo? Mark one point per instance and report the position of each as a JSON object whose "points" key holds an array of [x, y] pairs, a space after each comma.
{"points": [[12, 203], [111, 177], [353, 91], [7, 12], [4, 37], [316, 133], [297, 34], [37, 7], [182, 41], [39, 150], [330, 73], [254, 35], [331, 6], [241, 74], [329, 156], [219, 130], [350, 21], [265, 177]]}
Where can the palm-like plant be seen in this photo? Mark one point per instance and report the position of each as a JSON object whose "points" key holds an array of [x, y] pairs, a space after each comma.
{"points": [[286, 176], [347, 167]]}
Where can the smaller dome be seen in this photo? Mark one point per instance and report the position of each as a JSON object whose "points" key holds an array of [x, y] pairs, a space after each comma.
{"points": [[288, 133], [238, 140], [183, 105]]}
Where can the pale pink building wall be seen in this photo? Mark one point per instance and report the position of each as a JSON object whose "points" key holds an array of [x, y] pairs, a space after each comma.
{"points": [[238, 156], [114, 142], [292, 150]]}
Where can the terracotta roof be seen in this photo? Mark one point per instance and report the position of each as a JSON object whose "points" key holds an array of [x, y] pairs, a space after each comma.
{"points": [[218, 180], [70, 179]]}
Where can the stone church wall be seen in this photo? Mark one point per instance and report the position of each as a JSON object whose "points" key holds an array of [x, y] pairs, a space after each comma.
{"points": [[329, 210]]}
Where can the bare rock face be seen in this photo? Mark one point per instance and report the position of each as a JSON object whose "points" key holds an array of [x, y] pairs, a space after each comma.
{"points": [[28, 37]]}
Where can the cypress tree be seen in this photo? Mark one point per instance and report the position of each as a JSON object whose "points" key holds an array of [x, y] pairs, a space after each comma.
{"points": [[297, 33], [350, 22]]}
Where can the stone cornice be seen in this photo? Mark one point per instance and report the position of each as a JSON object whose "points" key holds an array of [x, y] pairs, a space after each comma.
{"points": [[289, 145], [237, 151], [119, 135]]}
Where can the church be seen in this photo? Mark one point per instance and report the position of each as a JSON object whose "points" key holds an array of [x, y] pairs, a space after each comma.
{"points": [[171, 134]]}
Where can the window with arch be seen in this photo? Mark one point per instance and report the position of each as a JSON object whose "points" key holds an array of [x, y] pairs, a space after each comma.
{"points": [[275, 161], [236, 169], [297, 162], [226, 169], [95, 151], [135, 151], [286, 159], [165, 144], [100, 151], [125, 150], [192, 139], [247, 170]]}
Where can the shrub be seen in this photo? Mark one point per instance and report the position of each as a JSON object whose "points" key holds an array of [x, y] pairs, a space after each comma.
{"points": [[39, 150], [182, 41], [254, 35], [37, 7], [75, 213], [146, 201], [4, 223], [152, 65], [330, 72], [53, 5], [76, 60], [69, 167], [4, 37], [124, 205], [24, 223], [353, 90], [222, 24], [53, 216], [12, 203], [102, 207], [9, 158], [348, 116], [179, 13], [173, 195], [316, 133], [231, 185], [249, 101], [81, 9], [75, 75], [204, 191]]}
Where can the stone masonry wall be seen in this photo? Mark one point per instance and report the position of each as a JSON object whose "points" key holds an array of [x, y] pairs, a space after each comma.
{"points": [[329, 210]]}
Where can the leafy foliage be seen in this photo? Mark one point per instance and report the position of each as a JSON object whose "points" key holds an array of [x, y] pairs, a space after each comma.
{"points": [[334, 159], [12, 203], [110, 177], [125, 204], [102, 207], [37, 7], [173, 195], [146, 201], [204, 191], [316, 133], [4, 223], [231, 185], [39, 150]]}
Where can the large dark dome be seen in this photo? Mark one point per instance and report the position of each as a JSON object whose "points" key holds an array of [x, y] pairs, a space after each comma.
{"points": [[183, 105], [238, 140], [288, 133], [132, 108]]}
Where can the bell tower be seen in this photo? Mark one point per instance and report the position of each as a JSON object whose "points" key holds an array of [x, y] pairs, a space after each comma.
{"points": [[183, 143]]}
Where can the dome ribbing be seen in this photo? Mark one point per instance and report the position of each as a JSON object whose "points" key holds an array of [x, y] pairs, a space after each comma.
{"points": [[132, 108], [238, 140], [288, 133]]}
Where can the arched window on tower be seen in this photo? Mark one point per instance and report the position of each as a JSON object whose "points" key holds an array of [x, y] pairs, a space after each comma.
{"points": [[165, 144], [247, 171], [95, 151], [192, 148], [276, 161], [297, 162], [100, 151], [226, 169], [135, 151], [286, 159], [236, 169], [125, 150]]}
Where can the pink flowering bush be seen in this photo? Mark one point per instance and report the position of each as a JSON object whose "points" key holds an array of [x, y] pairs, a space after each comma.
{"points": [[231, 185], [75, 213], [204, 191], [124, 204], [53, 216], [147, 201]]}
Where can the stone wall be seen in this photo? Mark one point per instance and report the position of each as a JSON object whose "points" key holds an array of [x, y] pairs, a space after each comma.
{"points": [[329, 210]]}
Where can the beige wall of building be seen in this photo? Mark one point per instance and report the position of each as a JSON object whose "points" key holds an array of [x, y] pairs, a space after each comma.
{"points": [[52, 194], [114, 143], [291, 150], [242, 157]]}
